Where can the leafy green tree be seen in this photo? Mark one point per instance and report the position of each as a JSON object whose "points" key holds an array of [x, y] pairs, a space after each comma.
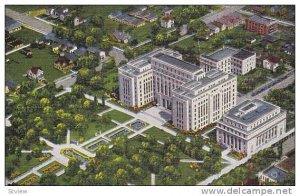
{"points": [[48, 179]]}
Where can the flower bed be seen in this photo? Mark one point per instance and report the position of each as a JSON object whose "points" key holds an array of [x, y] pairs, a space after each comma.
{"points": [[236, 155], [44, 157], [29, 180], [52, 167]]}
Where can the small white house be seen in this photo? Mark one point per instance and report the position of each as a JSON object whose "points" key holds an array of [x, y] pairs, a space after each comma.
{"points": [[271, 63], [36, 74], [167, 22]]}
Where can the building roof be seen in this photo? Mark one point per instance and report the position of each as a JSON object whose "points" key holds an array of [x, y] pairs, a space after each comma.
{"points": [[273, 59], [121, 35], [176, 62], [11, 84], [243, 54], [276, 173], [11, 24], [261, 20], [35, 70], [271, 38], [80, 51], [71, 56], [212, 27], [250, 111], [221, 54]]}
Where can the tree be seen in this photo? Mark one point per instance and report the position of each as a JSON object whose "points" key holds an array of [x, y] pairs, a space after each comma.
{"points": [[121, 176], [79, 118], [95, 82], [106, 46], [73, 167], [37, 152], [98, 20], [128, 53], [28, 157], [18, 152], [44, 102], [26, 86], [86, 104], [154, 29], [30, 135], [48, 179], [90, 40], [79, 36]]}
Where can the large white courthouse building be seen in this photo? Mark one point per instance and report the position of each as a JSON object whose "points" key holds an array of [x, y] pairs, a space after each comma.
{"points": [[195, 98], [250, 125]]}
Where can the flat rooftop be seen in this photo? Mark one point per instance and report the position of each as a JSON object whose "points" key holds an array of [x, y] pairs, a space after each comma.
{"points": [[176, 62], [276, 174], [249, 111], [261, 20], [221, 54], [243, 54]]}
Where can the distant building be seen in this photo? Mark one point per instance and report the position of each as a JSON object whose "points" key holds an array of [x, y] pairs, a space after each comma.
{"points": [[99, 53], [260, 25], [126, 19], [271, 63], [12, 25], [167, 22], [220, 25], [167, 11], [143, 14], [249, 126], [36, 74], [213, 29], [79, 21], [122, 37]]}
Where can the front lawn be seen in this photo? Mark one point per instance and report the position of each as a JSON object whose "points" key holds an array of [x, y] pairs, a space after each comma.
{"points": [[158, 133], [118, 116], [27, 35], [93, 128], [19, 65]]}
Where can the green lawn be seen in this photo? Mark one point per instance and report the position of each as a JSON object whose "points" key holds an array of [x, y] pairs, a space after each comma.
{"points": [[56, 167], [93, 127], [118, 116], [157, 133], [23, 165], [27, 35], [19, 65], [142, 33]]}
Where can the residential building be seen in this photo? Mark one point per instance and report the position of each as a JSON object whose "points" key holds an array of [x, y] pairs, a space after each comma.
{"points": [[143, 14], [122, 37], [271, 63], [213, 29], [243, 62], [229, 60], [167, 22], [249, 126], [203, 101], [79, 21], [65, 62], [260, 25], [220, 25], [167, 11], [12, 25], [183, 30], [36, 74], [99, 53], [126, 19]]}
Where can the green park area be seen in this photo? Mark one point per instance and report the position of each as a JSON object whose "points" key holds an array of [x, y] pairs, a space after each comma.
{"points": [[19, 64], [158, 133], [118, 116]]}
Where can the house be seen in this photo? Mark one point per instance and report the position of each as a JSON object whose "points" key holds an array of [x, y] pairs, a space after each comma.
{"points": [[11, 86], [271, 63], [65, 62], [62, 13], [167, 11], [288, 48], [100, 54], [12, 25], [213, 29], [78, 21], [271, 38], [183, 30], [15, 43], [122, 37], [36, 74], [80, 52], [55, 47], [220, 25], [26, 52], [126, 19], [167, 22]]}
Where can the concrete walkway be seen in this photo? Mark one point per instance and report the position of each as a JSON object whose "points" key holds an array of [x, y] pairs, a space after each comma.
{"points": [[190, 161], [17, 49]]}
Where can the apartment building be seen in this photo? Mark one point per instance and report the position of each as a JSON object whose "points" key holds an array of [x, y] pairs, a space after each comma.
{"points": [[203, 101], [229, 60], [250, 125], [260, 25]]}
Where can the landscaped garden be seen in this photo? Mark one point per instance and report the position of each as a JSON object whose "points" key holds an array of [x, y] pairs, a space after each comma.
{"points": [[30, 180], [51, 168], [17, 165]]}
